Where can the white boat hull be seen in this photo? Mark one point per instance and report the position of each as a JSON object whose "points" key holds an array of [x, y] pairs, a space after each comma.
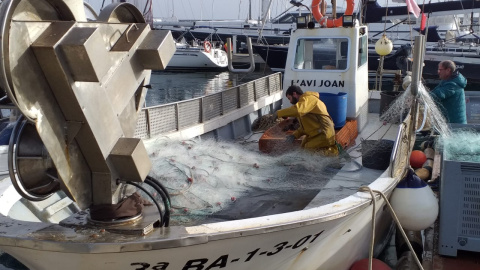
{"points": [[198, 59], [334, 243]]}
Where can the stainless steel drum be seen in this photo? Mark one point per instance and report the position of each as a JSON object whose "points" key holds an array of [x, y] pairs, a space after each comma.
{"points": [[36, 176]]}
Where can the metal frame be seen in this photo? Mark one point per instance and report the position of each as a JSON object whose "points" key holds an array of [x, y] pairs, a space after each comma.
{"points": [[161, 120]]}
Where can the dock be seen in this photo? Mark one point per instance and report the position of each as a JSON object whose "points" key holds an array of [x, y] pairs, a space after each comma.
{"points": [[430, 257], [465, 260], [432, 260]]}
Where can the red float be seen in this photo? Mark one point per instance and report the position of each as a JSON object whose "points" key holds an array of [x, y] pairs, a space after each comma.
{"points": [[376, 265], [417, 158]]}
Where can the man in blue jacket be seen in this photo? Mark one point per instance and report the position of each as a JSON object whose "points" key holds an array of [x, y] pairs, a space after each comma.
{"points": [[450, 93]]}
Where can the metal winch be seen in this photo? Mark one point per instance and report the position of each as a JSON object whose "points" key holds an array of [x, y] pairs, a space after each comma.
{"points": [[79, 84]]}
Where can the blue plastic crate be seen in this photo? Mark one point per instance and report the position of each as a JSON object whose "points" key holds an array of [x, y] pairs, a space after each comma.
{"points": [[472, 100]]}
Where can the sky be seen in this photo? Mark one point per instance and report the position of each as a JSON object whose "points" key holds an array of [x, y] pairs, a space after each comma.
{"points": [[218, 9], [207, 9]]}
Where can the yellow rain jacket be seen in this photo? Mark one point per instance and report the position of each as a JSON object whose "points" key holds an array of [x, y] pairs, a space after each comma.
{"points": [[315, 123]]}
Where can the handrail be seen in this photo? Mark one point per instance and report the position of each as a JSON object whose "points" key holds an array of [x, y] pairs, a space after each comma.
{"points": [[250, 54], [180, 115]]}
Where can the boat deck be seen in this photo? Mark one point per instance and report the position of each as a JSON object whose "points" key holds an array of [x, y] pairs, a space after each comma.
{"points": [[341, 178], [465, 260]]}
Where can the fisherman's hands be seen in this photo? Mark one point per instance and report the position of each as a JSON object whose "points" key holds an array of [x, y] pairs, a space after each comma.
{"points": [[275, 115], [290, 138]]}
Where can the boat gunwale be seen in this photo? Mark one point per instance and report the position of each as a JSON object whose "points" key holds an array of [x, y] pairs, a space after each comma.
{"points": [[180, 236]]}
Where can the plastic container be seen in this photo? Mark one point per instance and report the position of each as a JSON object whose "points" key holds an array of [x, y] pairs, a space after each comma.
{"points": [[376, 154], [336, 107], [459, 203], [386, 98]]}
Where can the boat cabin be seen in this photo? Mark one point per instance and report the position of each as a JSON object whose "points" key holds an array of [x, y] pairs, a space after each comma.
{"points": [[331, 60]]}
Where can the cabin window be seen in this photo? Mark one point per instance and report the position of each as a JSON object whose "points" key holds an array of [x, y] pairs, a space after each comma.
{"points": [[362, 50], [322, 53], [288, 18]]}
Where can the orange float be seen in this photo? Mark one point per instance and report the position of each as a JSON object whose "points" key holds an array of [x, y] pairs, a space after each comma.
{"points": [[207, 46], [417, 158], [324, 21]]}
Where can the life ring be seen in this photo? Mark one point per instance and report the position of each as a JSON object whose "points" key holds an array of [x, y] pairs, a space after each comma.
{"points": [[207, 46], [324, 21]]}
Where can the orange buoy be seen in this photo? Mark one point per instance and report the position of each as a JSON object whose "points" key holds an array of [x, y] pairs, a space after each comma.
{"points": [[417, 158], [207, 46], [376, 265], [323, 20]]}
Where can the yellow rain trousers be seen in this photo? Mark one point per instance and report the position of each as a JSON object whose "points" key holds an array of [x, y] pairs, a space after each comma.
{"points": [[315, 123]]}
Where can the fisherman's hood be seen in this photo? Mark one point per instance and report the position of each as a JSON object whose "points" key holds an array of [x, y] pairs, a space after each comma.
{"points": [[310, 93], [458, 79]]}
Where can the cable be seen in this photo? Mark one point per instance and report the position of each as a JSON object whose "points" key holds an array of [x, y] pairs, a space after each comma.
{"points": [[166, 216], [165, 197], [160, 185]]}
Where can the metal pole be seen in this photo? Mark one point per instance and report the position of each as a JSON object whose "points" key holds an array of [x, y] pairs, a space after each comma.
{"points": [[418, 55]]}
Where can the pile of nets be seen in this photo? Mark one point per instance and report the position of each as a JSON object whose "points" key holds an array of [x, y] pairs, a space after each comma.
{"points": [[265, 122], [430, 114], [205, 176], [461, 145]]}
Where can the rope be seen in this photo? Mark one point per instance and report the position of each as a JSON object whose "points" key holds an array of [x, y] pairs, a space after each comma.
{"points": [[386, 15], [397, 221], [372, 240]]}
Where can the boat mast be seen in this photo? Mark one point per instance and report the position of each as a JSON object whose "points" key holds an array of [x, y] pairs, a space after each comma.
{"points": [[334, 9], [266, 9], [265, 13], [249, 9]]}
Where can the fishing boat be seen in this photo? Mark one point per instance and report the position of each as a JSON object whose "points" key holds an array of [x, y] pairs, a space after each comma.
{"points": [[465, 55], [85, 142]]}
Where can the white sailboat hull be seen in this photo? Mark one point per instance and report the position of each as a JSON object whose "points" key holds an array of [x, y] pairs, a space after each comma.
{"points": [[198, 59]]}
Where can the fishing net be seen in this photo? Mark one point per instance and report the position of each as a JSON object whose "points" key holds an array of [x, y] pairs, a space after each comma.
{"points": [[432, 116], [462, 145], [265, 122], [204, 177]]}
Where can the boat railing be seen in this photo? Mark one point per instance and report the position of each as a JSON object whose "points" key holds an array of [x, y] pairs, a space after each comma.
{"points": [[173, 117], [401, 149]]}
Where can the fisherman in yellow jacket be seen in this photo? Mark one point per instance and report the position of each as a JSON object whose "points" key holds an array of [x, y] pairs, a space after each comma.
{"points": [[315, 122]]}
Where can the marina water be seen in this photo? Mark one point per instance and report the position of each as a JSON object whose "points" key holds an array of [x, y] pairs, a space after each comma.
{"points": [[167, 86]]}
